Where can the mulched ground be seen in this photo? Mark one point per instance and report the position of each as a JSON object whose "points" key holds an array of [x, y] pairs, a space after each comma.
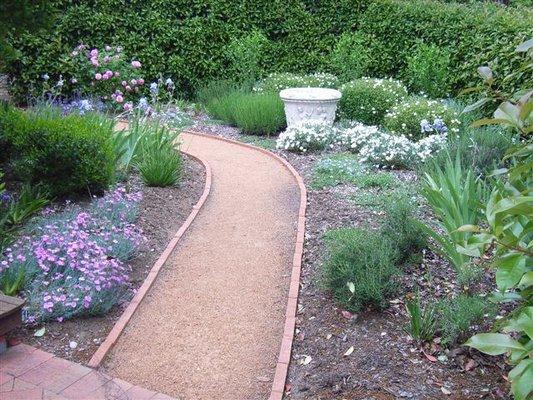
{"points": [[162, 212], [385, 363]]}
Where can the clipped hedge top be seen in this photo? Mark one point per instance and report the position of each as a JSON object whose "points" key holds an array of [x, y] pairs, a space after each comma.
{"points": [[186, 39]]}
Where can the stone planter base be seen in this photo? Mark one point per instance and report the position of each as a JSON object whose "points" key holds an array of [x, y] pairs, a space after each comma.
{"points": [[310, 104]]}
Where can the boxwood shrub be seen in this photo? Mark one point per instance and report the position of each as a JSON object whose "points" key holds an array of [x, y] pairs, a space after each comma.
{"points": [[66, 154], [367, 100]]}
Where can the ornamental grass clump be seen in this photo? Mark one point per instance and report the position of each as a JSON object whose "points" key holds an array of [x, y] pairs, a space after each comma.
{"points": [[73, 262], [419, 117], [307, 136], [367, 100], [276, 82]]}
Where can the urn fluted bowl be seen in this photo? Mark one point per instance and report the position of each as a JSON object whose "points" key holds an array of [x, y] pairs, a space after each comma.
{"points": [[308, 104]]}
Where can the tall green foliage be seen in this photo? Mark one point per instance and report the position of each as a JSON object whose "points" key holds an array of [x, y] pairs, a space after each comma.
{"points": [[187, 39], [508, 230]]}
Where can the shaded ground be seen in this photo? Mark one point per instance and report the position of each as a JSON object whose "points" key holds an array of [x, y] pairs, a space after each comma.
{"points": [[385, 363], [162, 212]]}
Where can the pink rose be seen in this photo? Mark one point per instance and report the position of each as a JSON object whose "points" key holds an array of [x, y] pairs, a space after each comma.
{"points": [[124, 83], [128, 106], [94, 62], [94, 53], [117, 74], [140, 81], [119, 99], [98, 76], [136, 64], [128, 88], [106, 59], [105, 77]]}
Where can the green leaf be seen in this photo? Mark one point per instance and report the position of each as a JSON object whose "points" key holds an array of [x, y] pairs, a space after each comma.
{"points": [[488, 121], [494, 344], [523, 322], [526, 281], [469, 228], [522, 385], [474, 106], [511, 267]]}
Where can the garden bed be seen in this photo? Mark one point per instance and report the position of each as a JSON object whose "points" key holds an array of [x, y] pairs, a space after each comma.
{"points": [[162, 211], [385, 362]]}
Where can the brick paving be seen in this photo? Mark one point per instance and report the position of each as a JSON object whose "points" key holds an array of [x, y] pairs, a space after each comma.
{"points": [[27, 373]]}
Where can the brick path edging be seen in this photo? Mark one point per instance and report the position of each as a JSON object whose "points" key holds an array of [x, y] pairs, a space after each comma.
{"points": [[121, 323], [282, 366]]}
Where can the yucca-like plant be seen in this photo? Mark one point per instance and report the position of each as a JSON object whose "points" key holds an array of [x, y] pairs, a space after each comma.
{"points": [[422, 321], [456, 197]]}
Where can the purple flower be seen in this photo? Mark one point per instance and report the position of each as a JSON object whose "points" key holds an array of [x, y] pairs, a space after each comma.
{"points": [[136, 64], [98, 76]]}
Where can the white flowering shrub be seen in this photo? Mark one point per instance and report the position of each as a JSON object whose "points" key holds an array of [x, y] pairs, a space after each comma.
{"points": [[368, 99], [355, 135], [386, 150], [413, 117], [278, 81], [308, 136]]}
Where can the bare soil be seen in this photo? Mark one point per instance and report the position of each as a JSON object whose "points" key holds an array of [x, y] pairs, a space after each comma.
{"points": [[161, 213], [385, 363]]}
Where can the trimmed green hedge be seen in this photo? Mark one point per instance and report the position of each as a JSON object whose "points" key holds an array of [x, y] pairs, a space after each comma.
{"points": [[186, 38], [475, 34]]}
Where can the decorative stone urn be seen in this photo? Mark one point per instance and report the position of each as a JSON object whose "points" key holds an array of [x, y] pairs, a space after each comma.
{"points": [[310, 104]]}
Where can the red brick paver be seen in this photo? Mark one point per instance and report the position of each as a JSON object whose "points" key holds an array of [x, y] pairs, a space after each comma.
{"points": [[27, 373]]}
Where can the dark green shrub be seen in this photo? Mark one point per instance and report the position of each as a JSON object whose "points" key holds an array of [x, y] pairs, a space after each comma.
{"points": [[66, 154], [245, 54], [428, 71], [475, 34], [402, 230], [350, 57], [187, 39], [359, 268], [367, 100], [457, 315]]}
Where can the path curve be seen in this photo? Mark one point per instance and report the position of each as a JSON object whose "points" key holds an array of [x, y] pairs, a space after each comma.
{"points": [[211, 325]]}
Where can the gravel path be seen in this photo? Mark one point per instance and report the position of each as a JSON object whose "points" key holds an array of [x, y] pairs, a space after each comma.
{"points": [[211, 326]]}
